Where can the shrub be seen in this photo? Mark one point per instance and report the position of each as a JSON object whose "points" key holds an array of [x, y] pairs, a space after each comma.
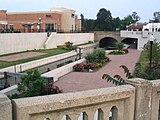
{"points": [[33, 85], [90, 66], [98, 65], [96, 56], [107, 59], [117, 52], [79, 67], [125, 50], [69, 44], [119, 46], [90, 41], [51, 88]]}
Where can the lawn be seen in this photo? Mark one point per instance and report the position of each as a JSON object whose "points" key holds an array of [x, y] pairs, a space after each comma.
{"points": [[49, 52]]}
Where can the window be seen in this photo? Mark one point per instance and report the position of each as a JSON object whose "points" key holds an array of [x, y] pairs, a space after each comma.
{"points": [[11, 27], [72, 15], [49, 27], [48, 16]]}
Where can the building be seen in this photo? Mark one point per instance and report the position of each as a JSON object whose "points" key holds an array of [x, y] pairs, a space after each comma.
{"points": [[57, 19], [136, 27], [152, 27]]}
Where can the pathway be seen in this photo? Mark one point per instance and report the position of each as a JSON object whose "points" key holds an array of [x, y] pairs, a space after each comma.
{"points": [[79, 81]]}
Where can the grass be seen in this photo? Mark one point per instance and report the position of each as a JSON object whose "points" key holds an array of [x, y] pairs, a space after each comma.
{"points": [[49, 52]]}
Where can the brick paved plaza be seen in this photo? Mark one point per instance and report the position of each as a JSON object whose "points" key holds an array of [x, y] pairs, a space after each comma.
{"points": [[79, 81]]}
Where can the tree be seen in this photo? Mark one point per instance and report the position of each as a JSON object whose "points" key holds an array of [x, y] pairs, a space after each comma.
{"points": [[116, 23], [156, 16], [104, 20], [89, 25], [31, 85], [126, 21], [117, 79], [135, 17], [82, 22]]}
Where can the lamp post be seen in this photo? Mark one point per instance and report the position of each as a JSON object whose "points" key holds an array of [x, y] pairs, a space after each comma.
{"points": [[151, 44]]}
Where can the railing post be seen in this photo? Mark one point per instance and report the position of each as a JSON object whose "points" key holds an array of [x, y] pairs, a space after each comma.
{"points": [[143, 97]]}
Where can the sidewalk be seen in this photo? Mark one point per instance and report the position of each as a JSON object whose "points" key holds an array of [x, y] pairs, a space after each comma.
{"points": [[79, 81]]}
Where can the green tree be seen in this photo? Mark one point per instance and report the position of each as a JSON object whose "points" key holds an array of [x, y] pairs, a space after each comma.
{"points": [[82, 22], [116, 23], [156, 16], [104, 20], [135, 17], [89, 25], [155, 51], [31, 85], [117, 79]]}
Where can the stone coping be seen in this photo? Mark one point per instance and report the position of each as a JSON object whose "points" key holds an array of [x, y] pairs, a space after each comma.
{"points": [[69, 100]]}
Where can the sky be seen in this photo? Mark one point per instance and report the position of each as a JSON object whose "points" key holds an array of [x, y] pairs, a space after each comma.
{"points": [[89, 8]]}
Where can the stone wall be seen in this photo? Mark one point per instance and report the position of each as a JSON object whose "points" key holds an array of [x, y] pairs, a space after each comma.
{"points": [[5, 108], [72, 105], [139, 100]]}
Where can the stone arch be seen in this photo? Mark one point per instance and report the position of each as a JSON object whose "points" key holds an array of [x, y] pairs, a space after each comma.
{"points": [[83, 116], [99, 115], [47, 119], [66, 117], [107, 43], [146, 29], [132, 42], [113, 113]]}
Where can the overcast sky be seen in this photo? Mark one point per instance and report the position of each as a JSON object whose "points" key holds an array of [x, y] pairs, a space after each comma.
{"points": [[89, 8]]}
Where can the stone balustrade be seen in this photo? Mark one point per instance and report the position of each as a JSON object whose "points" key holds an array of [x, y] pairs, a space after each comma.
{"points": [[70, 106], [138, 100]]}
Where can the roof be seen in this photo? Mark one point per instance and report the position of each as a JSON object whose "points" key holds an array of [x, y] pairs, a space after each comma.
{"points": [[136, 26]]}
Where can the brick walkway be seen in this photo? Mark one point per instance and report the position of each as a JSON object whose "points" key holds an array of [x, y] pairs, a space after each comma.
{"points": [[79, 81]]}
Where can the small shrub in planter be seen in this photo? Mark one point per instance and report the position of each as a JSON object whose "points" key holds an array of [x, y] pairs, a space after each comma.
{"points": [[79, 67], [98, 65], [51, 88], [117, 52], [90, 66], [125, 50], [107, 59]]}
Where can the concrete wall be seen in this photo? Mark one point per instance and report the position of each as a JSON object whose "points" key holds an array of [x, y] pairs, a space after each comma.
{"points": [[139, 100], [36, 63], [59, 72], [5, 108], [59, 39], [142, 36], [55, 107], [18, 42]]}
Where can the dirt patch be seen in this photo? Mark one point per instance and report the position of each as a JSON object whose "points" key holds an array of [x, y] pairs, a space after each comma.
{"points": [[20, 56]]}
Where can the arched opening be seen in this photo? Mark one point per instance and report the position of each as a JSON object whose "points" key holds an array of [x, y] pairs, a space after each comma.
{"points": [[83, 116], [113, 113], [146, 29], [46, 119], [66, 117], [132, 42], [99, 115], [108, 43]]}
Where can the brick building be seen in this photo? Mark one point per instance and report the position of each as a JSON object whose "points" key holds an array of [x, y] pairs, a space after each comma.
{"points": [[55, 20]]}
